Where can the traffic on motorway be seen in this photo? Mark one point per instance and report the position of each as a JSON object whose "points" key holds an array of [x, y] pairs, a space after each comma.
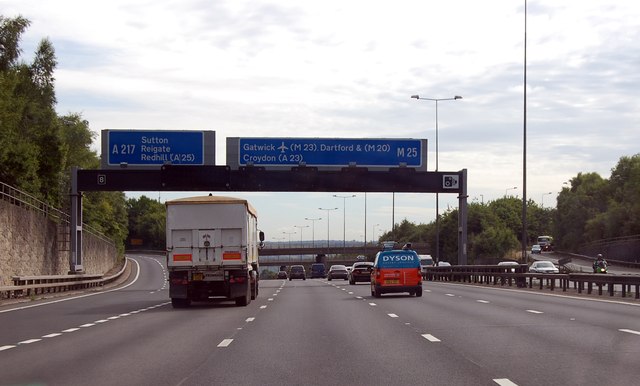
{"points": [[453, 334]]}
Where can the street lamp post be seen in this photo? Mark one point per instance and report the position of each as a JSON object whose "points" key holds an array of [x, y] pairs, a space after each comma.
{"points": [[508, 189], [544, 194], [289, 233], [313, 229], [344, 218], [437, 196], [278, 239], [373, 234], [328, 211], [301, 227]]}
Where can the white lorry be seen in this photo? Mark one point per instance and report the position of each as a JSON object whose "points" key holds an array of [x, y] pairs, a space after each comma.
{"points": [[212, 250]]}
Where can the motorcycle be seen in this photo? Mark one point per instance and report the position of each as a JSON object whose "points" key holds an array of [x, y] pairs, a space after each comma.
{"points": [[600, 268]]}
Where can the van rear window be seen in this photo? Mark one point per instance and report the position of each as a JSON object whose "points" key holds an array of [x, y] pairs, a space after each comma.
{"points": [[400, 259]]}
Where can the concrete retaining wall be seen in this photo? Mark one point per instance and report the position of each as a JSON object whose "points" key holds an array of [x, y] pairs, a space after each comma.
{"points": [[32, 244]]}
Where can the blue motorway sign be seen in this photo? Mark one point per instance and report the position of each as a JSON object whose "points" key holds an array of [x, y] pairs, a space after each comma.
{"points": [[329, 152], [146, 148]]}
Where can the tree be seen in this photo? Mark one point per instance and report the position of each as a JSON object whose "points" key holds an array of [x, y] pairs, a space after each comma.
{"points": [[576, 206], [147, 219], [10, 32]]}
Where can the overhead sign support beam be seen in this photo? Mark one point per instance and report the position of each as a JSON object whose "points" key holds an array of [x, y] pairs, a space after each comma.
{"points": [[298, 179]]}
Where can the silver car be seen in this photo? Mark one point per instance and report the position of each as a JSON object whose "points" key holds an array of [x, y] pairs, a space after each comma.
{"points": [[543, 267]]}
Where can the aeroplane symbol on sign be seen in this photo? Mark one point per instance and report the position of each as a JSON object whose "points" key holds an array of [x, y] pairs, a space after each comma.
{"points": [[282, 148]]}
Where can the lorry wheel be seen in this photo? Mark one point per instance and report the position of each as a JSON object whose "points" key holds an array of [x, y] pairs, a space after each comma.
{"points": [[180, 303], [242, 301], [254, 291], [419, 292]]}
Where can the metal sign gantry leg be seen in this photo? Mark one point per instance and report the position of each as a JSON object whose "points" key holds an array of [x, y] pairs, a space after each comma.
{"points": [[75, 225]]}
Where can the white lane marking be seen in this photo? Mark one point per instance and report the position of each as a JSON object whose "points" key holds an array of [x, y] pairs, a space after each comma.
{"points": [[504, 382], [263, 307], [225, 343], [2, 348], [372, 304], [70, 330], [430, 338], [128, 314], [427, 290], [450, 294], [88, 325], [274, 295], [393, 315], [483, 301], [350, 293], [80, 296], [250, 319], [629, 331], [358, 297], [52, 335], [270, 299], [101, 321], [539, 294], [535, 312], [29, 341], [113, 318]]}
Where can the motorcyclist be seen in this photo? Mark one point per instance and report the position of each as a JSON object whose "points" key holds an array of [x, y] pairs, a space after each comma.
{"points": [[600, 262]]}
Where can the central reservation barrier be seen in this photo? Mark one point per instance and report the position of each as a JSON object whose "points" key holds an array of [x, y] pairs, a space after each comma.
{"points": [[517, 276]]}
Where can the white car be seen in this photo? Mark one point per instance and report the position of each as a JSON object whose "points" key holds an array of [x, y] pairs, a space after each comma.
{"points": [[543, 267], [509, 263]]}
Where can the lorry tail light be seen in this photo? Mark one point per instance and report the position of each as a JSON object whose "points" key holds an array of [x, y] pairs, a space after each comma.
{"points": [[237, 279]]}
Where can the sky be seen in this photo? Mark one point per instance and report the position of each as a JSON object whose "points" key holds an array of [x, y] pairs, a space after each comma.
{"points": [[347, 69]]}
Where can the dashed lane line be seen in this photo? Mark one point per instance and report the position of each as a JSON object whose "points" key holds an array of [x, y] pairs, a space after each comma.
{"points": [[504, 382], [393, 315], [372, 304], [250, 320], [430, 338], [629, 331], [86, 325], [29, 341], [483, 301], [535, 312], [225, 343]]}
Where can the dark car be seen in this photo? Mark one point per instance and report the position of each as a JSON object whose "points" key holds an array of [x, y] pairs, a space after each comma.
{"points": [[318, 270], [338, 272], [361, 271], [297, 272], [282, 275]]}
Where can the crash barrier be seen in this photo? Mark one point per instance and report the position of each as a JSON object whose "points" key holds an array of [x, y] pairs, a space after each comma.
{"points": [[519, 277], [610, 262], [28, 286]]}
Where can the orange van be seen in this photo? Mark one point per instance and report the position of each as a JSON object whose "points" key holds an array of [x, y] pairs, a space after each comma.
{"points": [[396, 271]]}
